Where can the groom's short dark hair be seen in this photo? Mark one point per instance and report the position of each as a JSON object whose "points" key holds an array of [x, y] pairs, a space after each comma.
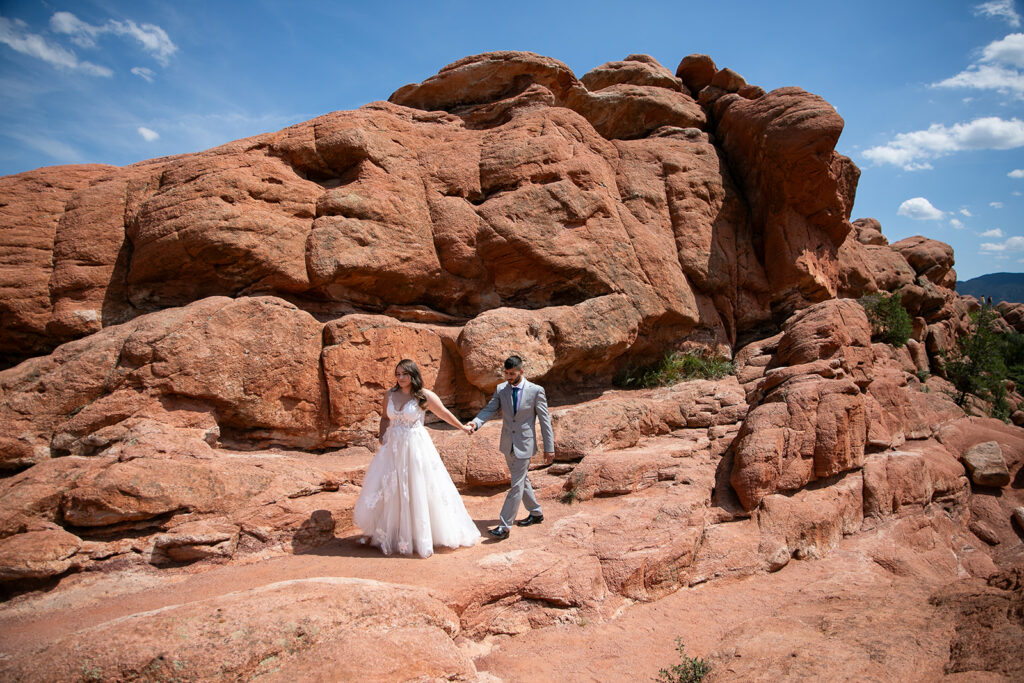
{"points": [[513, 362]]}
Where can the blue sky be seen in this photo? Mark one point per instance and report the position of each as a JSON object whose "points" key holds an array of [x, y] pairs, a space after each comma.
{"points": [[932, 91]]}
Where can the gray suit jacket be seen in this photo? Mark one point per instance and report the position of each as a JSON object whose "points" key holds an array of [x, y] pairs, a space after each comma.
{"points": [[518, 433]]}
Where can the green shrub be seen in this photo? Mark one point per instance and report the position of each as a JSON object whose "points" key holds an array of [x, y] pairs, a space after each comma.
{"points": [[1013, 357], [1000, 406], [689, 670], [890, 322], [976, 367], [674, 368]]}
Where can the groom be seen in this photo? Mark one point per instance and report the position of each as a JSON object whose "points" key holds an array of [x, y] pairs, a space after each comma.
{"points": [[521, 403]]}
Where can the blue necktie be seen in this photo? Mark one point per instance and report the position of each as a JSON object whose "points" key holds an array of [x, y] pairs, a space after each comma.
{"points": [[515, 399]]}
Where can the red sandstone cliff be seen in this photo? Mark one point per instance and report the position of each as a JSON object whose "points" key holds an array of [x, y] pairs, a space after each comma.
{"points": [[166, 324]]}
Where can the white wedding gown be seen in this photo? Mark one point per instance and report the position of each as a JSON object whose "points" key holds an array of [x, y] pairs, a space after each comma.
{"points": [[408, 502]]}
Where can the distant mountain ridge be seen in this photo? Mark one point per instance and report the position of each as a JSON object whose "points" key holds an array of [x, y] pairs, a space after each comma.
{"points": [[999, 286]]}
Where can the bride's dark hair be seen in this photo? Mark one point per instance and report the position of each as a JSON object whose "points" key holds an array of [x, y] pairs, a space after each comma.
{"points": [[415, 380]]}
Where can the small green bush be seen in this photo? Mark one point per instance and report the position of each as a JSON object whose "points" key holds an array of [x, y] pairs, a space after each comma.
{"points": [[674, 368], [1013, 356], [890, 322], [572, 494], [976, 366], [689, 670]]}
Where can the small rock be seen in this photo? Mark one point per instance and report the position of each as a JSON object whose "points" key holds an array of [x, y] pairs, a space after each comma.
{"points": [[984, 532], [779, 559], [1018, 516], [986, 465]]}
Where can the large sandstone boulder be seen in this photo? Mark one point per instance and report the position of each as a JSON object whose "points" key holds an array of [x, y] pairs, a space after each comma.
{"points": [[34, 204], [929, 258], [633, 70], [986, 465], [253, 361], [811, 421], [37, 554], [800, 190]]}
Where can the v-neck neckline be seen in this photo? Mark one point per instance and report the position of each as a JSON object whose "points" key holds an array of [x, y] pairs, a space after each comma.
{"points": [[397, 409]]}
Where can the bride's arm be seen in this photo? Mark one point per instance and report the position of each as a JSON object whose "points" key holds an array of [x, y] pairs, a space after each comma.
{"points": [[437, 408], [385, 421]]}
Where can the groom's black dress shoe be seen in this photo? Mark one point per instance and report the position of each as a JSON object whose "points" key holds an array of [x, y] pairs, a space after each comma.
{"points": [[532, 519], [499, 532]]}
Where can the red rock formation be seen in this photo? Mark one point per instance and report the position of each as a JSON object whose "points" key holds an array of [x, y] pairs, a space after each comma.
{"points": [[166, 323]]}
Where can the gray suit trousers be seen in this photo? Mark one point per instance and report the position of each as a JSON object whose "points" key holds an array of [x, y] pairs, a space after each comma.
{"points": [[519, 491]]}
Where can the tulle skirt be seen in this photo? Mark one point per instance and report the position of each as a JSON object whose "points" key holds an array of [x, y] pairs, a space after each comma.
{"points": [[408, 503]]}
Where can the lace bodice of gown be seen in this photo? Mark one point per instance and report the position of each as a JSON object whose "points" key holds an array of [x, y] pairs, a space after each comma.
{"points": [[407, 417]]}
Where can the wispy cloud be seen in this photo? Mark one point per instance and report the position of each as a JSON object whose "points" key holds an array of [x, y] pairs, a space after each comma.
{"points": [[996, 205], [997, 69], [956, 224], [994, 232], [1011, 244], [143, 72], [148, 134], [151, 37], [999, 9], [201, 131], [911, 151], [15, 34], [919, 209], [965, 212], [58, 151], [1016, 173]]}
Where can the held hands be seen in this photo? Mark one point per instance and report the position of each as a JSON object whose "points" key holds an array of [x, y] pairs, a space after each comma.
{"points": [[468, 428]]}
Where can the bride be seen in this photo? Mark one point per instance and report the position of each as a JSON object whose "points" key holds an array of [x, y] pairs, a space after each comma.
{"points": [[408, 502]]}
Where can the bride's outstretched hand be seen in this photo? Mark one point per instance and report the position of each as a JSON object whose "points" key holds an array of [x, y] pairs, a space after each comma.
{"points": [[467, 428]]}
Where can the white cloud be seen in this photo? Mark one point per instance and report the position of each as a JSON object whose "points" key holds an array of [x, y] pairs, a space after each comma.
{"points": [[997, 69], [1016, 173], [143, 72], [999, 9], [1009, 50], [148, 135], [994, 232], [996, 205], [153, 39], [987, 77], [919, 209], [909, 150], [956, 223], [81, 33], [1012, 244], [15, 35], [965, 212]]}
